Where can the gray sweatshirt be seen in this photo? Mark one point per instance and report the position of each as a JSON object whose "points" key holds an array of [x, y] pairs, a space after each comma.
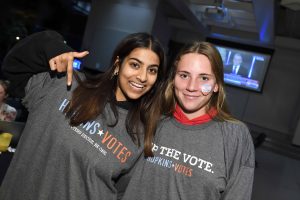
{"points": [[53, 160], [56, 161], [210, 161]]}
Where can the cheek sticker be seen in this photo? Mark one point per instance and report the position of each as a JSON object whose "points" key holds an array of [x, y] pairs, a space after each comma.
{"points": [[206, 88]]}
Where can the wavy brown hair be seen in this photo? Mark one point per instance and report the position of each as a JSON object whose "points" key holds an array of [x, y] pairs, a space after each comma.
{"points": [[93, 94], [218, 99]]}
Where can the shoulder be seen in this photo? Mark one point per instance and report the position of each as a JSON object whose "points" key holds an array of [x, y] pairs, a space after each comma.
{"points": [[236, 133], [244, 67], [45, 35], [164, 122], [238, 143], [46, 83], [233, 127], [164, 119], [50, 78]]}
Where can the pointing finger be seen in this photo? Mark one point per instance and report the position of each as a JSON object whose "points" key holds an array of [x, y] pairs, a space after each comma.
{"points": [[69, 72]]}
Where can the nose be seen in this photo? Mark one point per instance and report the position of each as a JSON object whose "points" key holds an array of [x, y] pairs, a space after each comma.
{"points": [[192, 85], [142, 75]]}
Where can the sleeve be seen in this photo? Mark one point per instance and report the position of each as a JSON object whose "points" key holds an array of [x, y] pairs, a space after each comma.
{"points": [[30, 56], [124, 180], [240, 158], [37, 88]]}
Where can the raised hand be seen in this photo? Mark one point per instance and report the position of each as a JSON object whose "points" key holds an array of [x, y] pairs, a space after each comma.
{"points": [[64, 63]]}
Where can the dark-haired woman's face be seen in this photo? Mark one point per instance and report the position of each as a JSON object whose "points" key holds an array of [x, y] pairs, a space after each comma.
{"points": [[137, 74]]}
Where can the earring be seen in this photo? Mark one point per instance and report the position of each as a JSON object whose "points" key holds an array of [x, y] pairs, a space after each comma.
{"points": [[116, 73]]}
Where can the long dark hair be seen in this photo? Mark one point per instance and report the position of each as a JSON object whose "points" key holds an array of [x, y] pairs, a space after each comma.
{"points": [[91, 96], [218, 99]]}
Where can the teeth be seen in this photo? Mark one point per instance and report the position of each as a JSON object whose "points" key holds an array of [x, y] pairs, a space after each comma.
{"points": [[136, 85]]}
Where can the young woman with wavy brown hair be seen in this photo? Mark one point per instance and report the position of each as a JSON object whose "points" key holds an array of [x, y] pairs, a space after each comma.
{"points": [[200, 150]]}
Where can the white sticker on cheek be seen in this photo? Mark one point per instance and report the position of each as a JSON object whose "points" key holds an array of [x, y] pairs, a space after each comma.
{"points": [[206, 88]]}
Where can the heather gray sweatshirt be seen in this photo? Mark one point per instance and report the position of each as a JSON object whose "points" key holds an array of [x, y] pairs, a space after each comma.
{"points": [[54, 160], [210, 161]]}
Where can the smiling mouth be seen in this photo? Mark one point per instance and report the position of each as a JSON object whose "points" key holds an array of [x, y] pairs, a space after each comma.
{"points": [[190, 96], [136, 85]]}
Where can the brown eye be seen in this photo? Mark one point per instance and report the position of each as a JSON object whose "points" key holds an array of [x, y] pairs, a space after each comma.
{"points": [[183, 75], [204, 78], [134, 65], [153, 70]]}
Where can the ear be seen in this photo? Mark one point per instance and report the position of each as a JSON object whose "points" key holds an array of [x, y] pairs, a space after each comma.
{"points": [[216, 88], [117, 65], [173, 84]]}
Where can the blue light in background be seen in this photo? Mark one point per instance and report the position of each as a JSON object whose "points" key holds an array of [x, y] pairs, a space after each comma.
{"points": [[251, 68], [77, 64], [262, 34]]}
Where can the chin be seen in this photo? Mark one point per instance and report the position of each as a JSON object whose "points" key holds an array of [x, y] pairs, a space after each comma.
{"points": [[134, 96], [188, 108]]}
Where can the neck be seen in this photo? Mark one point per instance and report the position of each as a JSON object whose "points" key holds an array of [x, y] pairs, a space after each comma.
{"points": [[180, 116]]}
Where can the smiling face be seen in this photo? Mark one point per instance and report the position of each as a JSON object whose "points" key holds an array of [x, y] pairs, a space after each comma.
{"points": [[137, 74], [194, 84]]}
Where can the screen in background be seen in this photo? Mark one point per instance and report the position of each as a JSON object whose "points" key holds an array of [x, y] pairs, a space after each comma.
{"points": [[244, 69], [77, 64]]}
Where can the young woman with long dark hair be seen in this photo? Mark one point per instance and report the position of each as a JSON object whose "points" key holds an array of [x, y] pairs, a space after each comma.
{"points": [[81, 143]]}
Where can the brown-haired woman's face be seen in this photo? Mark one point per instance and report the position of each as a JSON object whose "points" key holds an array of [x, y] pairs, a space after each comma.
{"points": [[137, 74], [194, 84]]}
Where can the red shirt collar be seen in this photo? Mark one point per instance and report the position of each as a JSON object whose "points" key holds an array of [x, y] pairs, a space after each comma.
{"points": [[182, 118]]}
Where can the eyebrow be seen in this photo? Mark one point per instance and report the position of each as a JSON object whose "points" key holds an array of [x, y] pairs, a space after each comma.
{"points": [[205, 74], [139, 61], [201, 74]]}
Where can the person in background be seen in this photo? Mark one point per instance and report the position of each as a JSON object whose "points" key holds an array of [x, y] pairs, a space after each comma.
{"points": [[7, 112], [237, 67], [200, 150], [82, 140]]}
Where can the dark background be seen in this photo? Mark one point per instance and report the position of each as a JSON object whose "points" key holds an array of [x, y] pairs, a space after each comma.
{"points": [[19, 18]]}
